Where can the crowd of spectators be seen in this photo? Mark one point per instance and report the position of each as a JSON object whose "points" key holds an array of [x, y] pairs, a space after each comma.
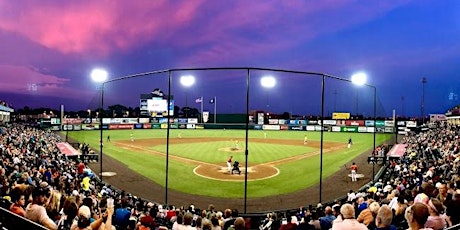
{"points": [[420, 190]]}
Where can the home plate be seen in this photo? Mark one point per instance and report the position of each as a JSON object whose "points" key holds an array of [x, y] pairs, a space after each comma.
{"points": [[109, 174], [224, 170], [357, 175]]}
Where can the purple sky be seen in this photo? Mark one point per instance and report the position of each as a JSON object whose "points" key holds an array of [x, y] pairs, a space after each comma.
{"points": [[48, 48]]}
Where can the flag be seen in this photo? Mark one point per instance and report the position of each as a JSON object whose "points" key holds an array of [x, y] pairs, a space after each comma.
{"points": [[212, 101], [199, 100]]}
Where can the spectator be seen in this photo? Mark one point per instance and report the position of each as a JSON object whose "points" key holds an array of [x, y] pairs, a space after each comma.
{"points": [[53, 206], [239, 223], [435, 220], [384, 218], [214, 222], [349, 222], [367, 216], [327, 219], [188, 220], [122, 214], [18, 199], [35, 210], [453, 209], [315, 222], [230, 221], [416, 216], [70, 210]]}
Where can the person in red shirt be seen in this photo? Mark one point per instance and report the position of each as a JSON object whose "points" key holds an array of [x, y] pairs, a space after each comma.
{"points": [[19, 201], [81, 168]]}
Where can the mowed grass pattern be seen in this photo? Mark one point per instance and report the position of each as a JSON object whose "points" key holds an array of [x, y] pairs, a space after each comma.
{"points": [[182, 178]]}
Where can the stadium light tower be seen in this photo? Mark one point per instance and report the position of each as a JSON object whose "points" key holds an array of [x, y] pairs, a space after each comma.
{"points": [[360, 79], [100, 76], [187, 81], [268, 82]]}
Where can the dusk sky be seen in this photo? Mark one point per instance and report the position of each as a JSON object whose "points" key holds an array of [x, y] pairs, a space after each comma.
{"points": [[48, 48]]}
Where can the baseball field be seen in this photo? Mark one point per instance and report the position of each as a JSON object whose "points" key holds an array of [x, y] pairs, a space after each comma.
{"points": [[279, 162]]}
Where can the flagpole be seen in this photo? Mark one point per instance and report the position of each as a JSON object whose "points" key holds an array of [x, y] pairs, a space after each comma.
{"points": [[215, 109], [202, 109]]}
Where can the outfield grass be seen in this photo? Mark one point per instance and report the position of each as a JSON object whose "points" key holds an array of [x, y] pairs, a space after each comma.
{"points": [[293, 176]]}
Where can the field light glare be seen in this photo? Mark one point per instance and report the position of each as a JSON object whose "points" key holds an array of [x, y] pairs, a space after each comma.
{"points": [[187, 80], [359, 78], [268, 82], [99, 75]]}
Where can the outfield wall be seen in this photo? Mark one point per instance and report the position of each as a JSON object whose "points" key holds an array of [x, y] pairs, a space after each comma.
{"points": [[340, 125]]}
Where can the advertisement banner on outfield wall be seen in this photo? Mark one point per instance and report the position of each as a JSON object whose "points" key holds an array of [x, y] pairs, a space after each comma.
{"points": [[258, 127], [197, 126], [389, 123], [147, 126], [284, 127], [335, 128], [89, 127], [341, 122], [164, 126], [310, 128], [163, 120], [182, 120], [106, 120], [362, 129], [193, 120], [157, 126], [330, 122], [401, 123], [349, 129], [121, 126], [73, 121], [317, 127], [379, 123], [411, 124], [282, 121], [300, 128], [340, 116], [174, 126], [312, 122], [389, 130], [273, 121], [354, 123], [76, 127], [138, 126], [144, 120], [182, 126], [154, 120], [190, 126], [271, 127], [369, 123], [380, 129], [370, 129]]}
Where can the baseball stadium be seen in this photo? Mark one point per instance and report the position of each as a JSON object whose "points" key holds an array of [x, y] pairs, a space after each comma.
{"points": [[257, 149]]}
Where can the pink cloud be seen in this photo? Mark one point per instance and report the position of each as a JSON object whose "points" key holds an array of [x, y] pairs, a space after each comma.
{"points": [[96, 27], [28, 81]]}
